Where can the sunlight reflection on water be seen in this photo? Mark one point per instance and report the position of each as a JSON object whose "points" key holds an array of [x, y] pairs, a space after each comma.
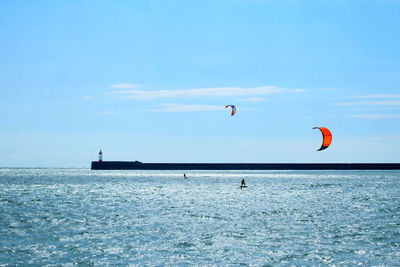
{"points": [[69, 216]]}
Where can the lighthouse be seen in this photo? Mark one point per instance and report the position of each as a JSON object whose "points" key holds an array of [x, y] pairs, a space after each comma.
{"points": [[100, 156]]}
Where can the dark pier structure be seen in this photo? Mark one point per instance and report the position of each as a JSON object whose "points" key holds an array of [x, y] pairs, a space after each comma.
{"points": [[137, 165]]}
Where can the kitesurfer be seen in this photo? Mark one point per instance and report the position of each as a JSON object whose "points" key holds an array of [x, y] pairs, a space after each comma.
{"points": [[184, 176], [243, 183]]}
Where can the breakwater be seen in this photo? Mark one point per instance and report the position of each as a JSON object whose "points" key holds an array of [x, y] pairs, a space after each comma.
{"points": [[137, 165]]}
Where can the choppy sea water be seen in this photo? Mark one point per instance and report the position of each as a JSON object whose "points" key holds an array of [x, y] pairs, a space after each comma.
{"points": [[157, 218]]}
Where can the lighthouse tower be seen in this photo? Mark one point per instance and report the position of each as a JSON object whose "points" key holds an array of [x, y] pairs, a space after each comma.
{"points": [[100, 156]]}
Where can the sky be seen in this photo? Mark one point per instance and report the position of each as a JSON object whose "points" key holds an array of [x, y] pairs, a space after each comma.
{"points": [[149, 81]]}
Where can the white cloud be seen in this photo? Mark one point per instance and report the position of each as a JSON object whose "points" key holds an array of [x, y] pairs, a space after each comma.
{"points": [[370, 103], [377, 96], [168, 107], [201, 92], [253, 99], [124, 85], [376, 116], [298, 90]]}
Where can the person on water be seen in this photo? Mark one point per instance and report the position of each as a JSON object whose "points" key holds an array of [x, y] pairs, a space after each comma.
{"points": [[184, 176], [243, 182]]}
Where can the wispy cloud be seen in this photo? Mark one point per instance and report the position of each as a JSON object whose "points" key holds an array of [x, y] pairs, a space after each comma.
{"points": [[389, 103], [376, 96], [201, 92], [124, 85], [298, 90], [252, 99], [376, 116], [168, 107], [88, 97]]}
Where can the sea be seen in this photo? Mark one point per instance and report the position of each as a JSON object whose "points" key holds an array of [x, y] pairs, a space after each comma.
{"points": [[66, 217]]}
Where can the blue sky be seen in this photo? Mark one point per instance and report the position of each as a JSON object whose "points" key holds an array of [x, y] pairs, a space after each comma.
{"points": [[149, 80]]}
